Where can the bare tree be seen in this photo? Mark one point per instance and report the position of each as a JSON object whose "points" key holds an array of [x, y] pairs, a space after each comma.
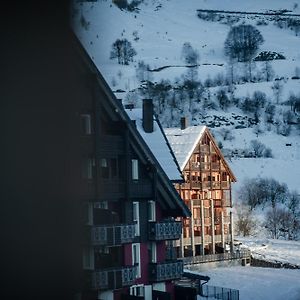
{"points": [[262, 191], [278, 222], [260, 150], [277, 90], [245, 223], [189, 54], [142, 72], [242, 42], [123, 51]]}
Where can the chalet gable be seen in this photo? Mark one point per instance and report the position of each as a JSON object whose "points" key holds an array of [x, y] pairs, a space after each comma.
{"points": [[184, 143]]}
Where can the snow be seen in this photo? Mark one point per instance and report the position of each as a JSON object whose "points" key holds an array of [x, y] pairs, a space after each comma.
{"points": [[157, 144], [184, 141], [258, 283], [163, 27], [284, 166], [273, 250]]}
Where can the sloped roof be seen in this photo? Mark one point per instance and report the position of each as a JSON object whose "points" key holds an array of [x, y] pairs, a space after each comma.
{"points": [[184, 141], [158, 144]]}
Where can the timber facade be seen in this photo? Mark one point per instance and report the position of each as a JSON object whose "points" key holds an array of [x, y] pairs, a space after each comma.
{"points": [[206, 191]]}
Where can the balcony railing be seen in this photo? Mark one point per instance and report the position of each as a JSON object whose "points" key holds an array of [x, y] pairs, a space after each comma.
{"points": [[169, 230], [215, 166], [204, 148], [225, 184], [111, 279], [196, 185], [226, 220], [216, 257], [112, 235], [226, 202], [166, 270]]}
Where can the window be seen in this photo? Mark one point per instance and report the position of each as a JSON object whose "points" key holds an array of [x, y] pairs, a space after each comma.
{"points": [[101, 204], [88, 258], [152, 252], [88, 166], [88, 213], [135, 169], [137, 290], [136, 217], [104, 169], [86, 125], [151, 211], [136, 258]]}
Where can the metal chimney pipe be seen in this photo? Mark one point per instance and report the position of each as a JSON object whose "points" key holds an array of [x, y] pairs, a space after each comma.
{"points": [[183, 123], [148, 115]]}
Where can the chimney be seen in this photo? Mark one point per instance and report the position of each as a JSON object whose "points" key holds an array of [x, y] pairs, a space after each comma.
{"points": [[183, 123], [148, 115]]}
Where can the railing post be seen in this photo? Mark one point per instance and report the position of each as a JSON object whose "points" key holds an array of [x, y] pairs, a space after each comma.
{"points": [[202, 228], [222, 230], [231, 232], [192, 228], [212, 225]]}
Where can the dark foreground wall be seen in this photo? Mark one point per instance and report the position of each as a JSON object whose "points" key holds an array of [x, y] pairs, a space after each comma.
{"points": [[39, 84]]}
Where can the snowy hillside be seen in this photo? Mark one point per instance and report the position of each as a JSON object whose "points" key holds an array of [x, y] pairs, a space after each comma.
{"points": [[213, 90], [157, 31]]}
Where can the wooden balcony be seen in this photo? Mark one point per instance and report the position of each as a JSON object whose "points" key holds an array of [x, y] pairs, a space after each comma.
{"points": [[206, 184], [215, 166], [226, 219], [225, 184], [195, 166], [216, 184], [114, 278], [112, 235], [186, 185], [204, 148], [196, 185], [165, 271], [226, 202], [169, 230]]}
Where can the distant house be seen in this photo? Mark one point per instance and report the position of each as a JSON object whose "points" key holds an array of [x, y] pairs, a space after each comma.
{"points": [[206, 190]]}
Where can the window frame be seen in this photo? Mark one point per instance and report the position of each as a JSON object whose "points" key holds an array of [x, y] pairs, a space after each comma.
{"points": [[86, 124], [136, 216], [135, 169], [151, 211], [136, 257]]}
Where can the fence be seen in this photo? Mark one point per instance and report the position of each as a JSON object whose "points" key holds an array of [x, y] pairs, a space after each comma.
{"points": [[216, 257], [216, 292]]}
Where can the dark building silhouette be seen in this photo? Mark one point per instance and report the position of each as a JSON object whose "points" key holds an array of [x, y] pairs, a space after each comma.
{"points": [[72, 161]]}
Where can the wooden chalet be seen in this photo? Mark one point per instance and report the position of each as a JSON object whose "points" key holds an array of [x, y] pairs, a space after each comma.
{"points": [[206, 191]]}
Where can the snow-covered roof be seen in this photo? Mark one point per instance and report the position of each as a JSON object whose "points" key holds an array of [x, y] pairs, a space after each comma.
{"points": [[157, 143], [184, 141]]}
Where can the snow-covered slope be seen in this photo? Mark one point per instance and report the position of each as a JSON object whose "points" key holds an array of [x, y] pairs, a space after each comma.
{"points": [[157, 29]]}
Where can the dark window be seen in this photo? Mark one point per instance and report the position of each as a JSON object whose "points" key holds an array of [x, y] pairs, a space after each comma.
{"points": [[86, 124], [104, 168], [88, 168]]}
